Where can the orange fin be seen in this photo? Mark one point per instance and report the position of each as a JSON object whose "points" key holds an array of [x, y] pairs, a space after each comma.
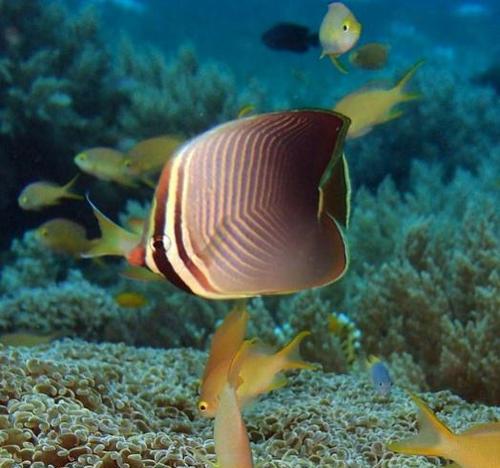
{"points": [[429, 440], [228, 338]]}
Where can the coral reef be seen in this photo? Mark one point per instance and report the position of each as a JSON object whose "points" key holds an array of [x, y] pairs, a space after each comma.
{"points": [[76, 404], [424, 278], [182, 97], [63, 89]]}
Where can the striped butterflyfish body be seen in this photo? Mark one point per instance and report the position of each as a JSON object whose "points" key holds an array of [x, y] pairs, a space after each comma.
{"points": [[254, 206]]}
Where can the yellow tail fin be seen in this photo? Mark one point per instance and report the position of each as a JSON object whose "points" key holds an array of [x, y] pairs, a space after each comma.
{"points": [[406, 78], [66, 189], [114, 239], [291, 355], [431, 437]]}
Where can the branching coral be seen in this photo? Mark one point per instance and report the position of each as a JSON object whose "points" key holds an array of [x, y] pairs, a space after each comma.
{"points": [[184, 96], [436, 296]]}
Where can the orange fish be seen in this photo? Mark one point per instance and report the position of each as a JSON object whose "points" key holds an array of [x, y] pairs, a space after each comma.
{"points": [[232, 446], [264, 215], [477, 447], [261, 369], [38, 195]]}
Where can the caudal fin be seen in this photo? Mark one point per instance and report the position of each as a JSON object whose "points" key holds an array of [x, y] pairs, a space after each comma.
{"points": [[290, 354], [432, 437], [66, 189], [114, 239], [405, 79]]}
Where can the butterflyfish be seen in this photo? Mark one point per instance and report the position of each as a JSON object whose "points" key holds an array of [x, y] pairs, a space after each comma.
{"points": [[232, 446], [379, 376], [106, 164], [149, 156], [38, 195], [371, 56], [369, 107], [290, 37], [478, 446], [64, 236], [254, 206], [261, 368], [338, 33]]}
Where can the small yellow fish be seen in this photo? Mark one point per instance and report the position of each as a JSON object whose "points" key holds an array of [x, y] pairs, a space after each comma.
{"points": [[64, 236], [370, 56], [261, 369], [38, 195], [369, 107], [232, 445], [105, 164], [149, 156], [27, 339], [338, 33], [131, 299], [477, 447]]}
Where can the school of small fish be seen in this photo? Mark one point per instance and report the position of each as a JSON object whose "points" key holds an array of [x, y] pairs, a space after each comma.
{"points": [[201, 236]]}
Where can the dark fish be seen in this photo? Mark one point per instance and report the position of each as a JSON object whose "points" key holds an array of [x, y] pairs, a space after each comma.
{"points": [[290, 36], [254, 206], [490, 77], [371, 56]]}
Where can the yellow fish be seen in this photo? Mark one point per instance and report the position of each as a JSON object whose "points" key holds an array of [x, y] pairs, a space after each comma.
{"points": [[41, 194], [149, 156], [232, 445], [105, 164], [64, 236], [338, 33], [131, 299], [261, 370], [27, 339], [477, 447], [369, 107]]}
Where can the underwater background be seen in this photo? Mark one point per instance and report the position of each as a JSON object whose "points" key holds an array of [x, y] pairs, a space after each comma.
{"points": [[100, 370]]}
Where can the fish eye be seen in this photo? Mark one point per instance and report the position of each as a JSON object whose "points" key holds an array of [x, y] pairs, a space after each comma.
{"points": [[202, 406], [345, 27], [160, 243]]}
